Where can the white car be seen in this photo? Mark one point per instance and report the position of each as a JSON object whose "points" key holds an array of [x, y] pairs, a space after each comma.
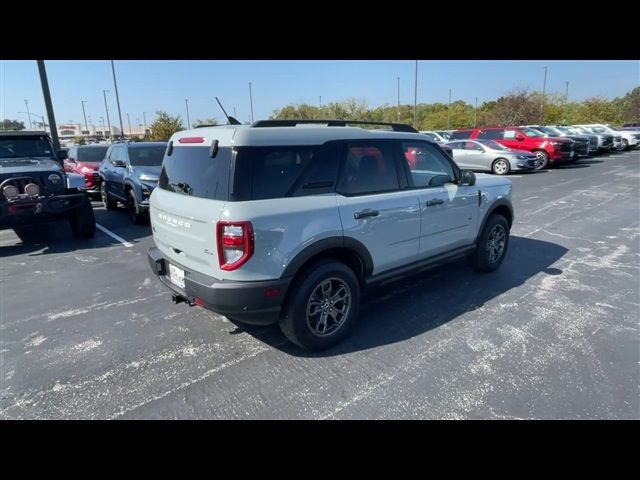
{"points": [[628, 139]]}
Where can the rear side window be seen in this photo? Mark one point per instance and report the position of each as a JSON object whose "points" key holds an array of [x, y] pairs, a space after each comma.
{"points": [[461, 134], [496, 133], [262, 173], [90, 154], [369, 168], [146, 156], [190, 171]]}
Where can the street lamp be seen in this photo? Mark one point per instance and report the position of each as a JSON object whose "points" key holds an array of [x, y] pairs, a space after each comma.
{"points": [[106, 107], [115, 84], [144, 118], [186, 102], [26, 102], [251, 101], [86, 126], [44, 126], [544, 88]]}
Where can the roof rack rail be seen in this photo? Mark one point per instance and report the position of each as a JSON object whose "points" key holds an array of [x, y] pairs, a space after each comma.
{"points": [[396, 127]]}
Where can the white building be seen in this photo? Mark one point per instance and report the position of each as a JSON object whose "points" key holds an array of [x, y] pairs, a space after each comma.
{"points": [[69, 131]]}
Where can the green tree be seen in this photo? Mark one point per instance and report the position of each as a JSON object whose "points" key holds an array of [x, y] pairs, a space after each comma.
{"points": [[79, 140], [599, 109], [205, 121], [12, 125], [631, 106], [165, 125]]}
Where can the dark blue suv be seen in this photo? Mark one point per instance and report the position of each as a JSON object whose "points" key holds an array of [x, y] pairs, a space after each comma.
{"points": [[129, 173]]}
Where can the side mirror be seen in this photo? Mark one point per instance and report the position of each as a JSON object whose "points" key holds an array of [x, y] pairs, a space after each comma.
{"points": [[467, 177], [118, 163], [62, 154], [520, 137]]}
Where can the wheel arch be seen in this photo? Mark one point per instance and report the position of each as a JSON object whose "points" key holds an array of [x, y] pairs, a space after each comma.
{"points": [[502, 207]]}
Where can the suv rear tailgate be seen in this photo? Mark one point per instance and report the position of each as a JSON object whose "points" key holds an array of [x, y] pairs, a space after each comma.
{"points": [[184, 229]]}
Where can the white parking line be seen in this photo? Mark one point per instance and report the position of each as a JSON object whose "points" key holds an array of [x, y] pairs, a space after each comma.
{"points": [[529, 198], [114, 236]]}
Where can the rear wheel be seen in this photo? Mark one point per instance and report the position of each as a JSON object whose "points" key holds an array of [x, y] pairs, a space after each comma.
{"points": [[501, 166], [108, 203], [625, 144], [82, 220], [324, 306], [543, 159]]}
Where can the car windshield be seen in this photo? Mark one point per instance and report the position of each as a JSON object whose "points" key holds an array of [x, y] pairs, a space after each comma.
{"points": [[445, 135], [531, 132], [550, 131], [25, 147], [91, 154], [492, 145], [146, 156], [431, 136], [570, 131]]}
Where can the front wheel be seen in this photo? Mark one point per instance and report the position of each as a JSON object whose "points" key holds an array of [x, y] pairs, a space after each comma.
{"points": [[323, 308], [543, 159], [492, 244], [139, 217], [108, 203], [82, 220], [501, 167]]}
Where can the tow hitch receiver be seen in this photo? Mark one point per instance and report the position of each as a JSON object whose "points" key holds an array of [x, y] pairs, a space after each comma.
{"points": [[175, 298]]}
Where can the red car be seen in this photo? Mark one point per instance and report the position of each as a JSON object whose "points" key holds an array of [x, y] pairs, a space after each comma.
{"points": [[85, 160], [550, 151]]}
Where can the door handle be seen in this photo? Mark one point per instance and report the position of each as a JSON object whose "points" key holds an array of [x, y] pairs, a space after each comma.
{"points": [[366, 213], [434, 202]]}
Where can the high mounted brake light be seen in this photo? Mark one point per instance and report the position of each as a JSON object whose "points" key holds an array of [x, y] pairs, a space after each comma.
{"points": [[191, 140]]}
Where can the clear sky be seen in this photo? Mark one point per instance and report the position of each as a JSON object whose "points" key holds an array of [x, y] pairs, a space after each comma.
{"points": [[147, 86]]}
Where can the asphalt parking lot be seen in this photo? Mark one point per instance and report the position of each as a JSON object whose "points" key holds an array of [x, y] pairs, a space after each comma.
{"points": [[86, 331]]}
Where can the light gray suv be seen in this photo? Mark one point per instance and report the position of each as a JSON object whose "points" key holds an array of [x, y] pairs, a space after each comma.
{"points": [[288, 221]]}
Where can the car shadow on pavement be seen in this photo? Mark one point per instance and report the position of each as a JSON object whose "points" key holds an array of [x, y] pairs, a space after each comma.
{"points": [[420, 303]]}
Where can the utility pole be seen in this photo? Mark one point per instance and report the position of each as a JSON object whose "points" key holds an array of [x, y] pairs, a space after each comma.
{"points": [[102, 122], [186, 102], [398, 111], [251, 101], [320, 100], [129, 123], [144, 118], [84, 114], [44, 126], [26, 102], [566, 93], [449, 110], [47, 103], [544, 89], [475, 114], [115, 85], [415, 99], [106, 107]]}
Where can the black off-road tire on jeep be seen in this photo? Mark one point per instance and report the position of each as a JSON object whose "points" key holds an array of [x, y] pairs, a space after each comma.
{"points": [[492, 244], [108, 203], [307, 296], [138, 217], [82, 220]]}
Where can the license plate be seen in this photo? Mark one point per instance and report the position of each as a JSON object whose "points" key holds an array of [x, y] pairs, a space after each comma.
{"points": [[176, 275]]}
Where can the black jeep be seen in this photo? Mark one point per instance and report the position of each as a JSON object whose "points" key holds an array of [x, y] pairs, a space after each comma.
{"points": [[34, 188]]}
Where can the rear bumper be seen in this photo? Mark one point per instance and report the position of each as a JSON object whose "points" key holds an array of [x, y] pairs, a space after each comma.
{"points": [[244, 301]]}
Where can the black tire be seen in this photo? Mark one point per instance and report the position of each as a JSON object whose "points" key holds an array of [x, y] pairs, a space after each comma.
{"points": [[108, 203], [543, 159], [501, 166], [82, 220], [625, 142], [305, 332], [481, 259], [137, 216]]}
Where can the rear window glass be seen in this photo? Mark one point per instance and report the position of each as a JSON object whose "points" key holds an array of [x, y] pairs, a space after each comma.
{"points": [[146, 156], [283, 171], [91, 154], [461, 134], [190, 171], [497, 133]]}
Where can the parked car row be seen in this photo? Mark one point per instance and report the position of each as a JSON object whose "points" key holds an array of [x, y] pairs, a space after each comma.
{"points": [[502, 150]]}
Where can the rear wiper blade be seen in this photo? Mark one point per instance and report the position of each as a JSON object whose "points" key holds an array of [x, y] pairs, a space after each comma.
{"points": [[182, 187]]}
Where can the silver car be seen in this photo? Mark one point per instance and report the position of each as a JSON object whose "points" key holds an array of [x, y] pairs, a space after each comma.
{"points": [[485, 155]]}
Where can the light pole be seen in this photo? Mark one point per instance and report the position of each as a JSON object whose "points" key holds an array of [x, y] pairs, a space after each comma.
{"points": [[415, 99], [398, 111], [44, 126], [144, 119], [104, 134], [544, 89], [106, 107], [129, 123], [566, 93], [449, 110], [186, 102], [115, 85], [47, 103], [26, 102], [251, 101], [84, 114], [320, 100]]}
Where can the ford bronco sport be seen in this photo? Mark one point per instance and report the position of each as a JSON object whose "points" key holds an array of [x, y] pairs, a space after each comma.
{"points": [[35, 189], [287, 221]]}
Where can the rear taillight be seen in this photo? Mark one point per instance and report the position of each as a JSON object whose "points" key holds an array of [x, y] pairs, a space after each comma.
{"points": [[235, 244]]}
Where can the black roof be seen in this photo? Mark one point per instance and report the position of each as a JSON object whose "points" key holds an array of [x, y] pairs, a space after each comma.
{"points": [[25, 133]]}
